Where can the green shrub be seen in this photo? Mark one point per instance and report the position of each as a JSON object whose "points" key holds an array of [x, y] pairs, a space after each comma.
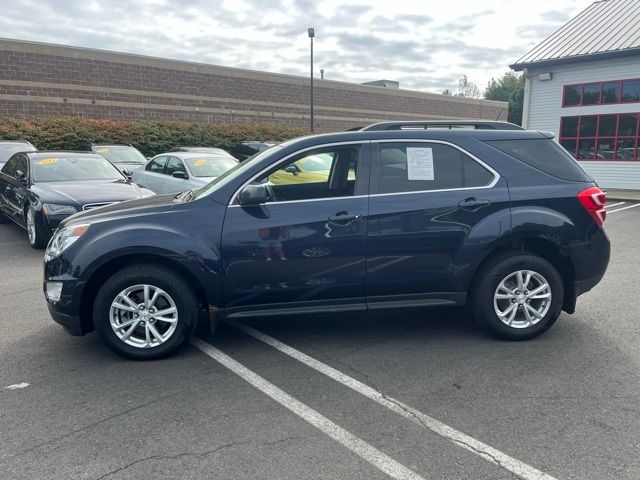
{"points": [[150, 138]]}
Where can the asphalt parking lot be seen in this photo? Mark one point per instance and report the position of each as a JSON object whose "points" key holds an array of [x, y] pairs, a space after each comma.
{"points": [[400, 394]]}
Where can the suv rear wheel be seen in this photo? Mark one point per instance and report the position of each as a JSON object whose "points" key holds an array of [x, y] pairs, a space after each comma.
{"points": [[517, 295], [145, 312]]}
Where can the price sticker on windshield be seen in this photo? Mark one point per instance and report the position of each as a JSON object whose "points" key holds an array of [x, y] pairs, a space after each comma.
{"points": [[47, 161], [200, 162]]}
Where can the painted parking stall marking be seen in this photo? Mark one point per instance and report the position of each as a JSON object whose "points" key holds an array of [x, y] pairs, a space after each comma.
{"points": [[623, 208], [17, 386], [615, 204], [375, 457], [461, 439]]}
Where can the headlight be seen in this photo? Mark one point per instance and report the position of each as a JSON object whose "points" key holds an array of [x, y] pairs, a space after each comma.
{"points": [[63, 239], [55, 209]]}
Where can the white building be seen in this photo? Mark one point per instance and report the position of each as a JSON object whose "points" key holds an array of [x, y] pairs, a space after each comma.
{"points": [[583, 84]]}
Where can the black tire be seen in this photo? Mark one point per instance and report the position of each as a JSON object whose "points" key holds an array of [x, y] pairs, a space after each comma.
{"points": [[166, 279], [39, 241], [489, 277]]}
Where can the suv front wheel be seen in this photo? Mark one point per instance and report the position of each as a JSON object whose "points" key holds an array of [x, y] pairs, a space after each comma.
{"points": [[517, 295], [145, 312]]}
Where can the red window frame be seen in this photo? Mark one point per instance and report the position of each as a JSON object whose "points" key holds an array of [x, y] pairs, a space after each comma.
{"points": [[596, 137], [580, 87]]}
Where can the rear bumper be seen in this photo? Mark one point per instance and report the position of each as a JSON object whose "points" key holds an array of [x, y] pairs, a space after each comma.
{"points": [[590, 261]]}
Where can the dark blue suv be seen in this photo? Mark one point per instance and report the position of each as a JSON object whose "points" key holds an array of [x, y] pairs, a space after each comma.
{"points": [[483, 214]]}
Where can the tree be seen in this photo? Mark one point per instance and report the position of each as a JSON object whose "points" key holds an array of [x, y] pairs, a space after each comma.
{"points": [[508, 88], [467, 88], [446, 91]]}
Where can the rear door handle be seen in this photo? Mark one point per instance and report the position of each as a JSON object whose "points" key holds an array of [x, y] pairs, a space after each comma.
{"points": [[342, 217], [473, 203]]}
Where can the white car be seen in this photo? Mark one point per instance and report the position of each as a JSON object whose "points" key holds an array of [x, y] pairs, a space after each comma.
{"points": [[176, 172]]}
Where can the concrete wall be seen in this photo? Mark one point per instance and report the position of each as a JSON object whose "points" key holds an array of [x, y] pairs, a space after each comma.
{"points": [[45, 80], [545, 110]]}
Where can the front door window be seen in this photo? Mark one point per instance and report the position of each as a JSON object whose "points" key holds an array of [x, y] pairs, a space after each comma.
{"points": [[323, 173]]}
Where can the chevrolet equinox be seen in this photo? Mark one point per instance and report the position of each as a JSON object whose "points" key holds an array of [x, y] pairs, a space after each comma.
{"points": [[397, 214]]}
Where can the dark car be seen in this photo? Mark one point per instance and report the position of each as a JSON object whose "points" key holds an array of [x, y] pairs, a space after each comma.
{"points": [[9, 147], [125, 157], [39, 190], [492, 216], [248, 148]]}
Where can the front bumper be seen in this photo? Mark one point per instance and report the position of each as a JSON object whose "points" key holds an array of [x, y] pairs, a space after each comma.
{"points": [[67, 311], [71, 323]]}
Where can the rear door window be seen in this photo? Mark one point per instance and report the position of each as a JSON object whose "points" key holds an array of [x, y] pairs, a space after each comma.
{"points": [[415, 167], [544, 154]]}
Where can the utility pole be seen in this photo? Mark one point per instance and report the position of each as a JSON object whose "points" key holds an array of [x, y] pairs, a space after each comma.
{"points": [[311, 35]]}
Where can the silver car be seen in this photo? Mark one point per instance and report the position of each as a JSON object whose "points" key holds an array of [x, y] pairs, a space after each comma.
{"points": [[176, 172]]}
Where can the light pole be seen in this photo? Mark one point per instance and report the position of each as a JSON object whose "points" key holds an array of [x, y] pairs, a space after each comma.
{"points": [[311, 35]]}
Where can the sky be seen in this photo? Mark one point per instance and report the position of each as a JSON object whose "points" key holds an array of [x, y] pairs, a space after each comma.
{"points": [[425, 45]]}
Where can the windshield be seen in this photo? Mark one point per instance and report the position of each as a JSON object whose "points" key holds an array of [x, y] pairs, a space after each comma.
{"points": [[122, 155], [209, 165], [8, 149], [59, 168], [235, 172]]}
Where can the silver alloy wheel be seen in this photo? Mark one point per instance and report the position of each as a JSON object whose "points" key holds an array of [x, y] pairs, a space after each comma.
{"points": [[143, 316], [522, 299], [31, 227]]}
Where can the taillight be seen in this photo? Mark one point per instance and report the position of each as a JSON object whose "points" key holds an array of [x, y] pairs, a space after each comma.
{"points": [[593, 200]]}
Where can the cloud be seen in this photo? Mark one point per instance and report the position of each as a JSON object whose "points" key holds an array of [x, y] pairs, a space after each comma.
{"points": [[356, 40], [555, 16]]}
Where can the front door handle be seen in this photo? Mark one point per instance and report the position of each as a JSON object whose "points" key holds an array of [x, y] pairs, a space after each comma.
{"points": [[342, 217], [473, 203]]}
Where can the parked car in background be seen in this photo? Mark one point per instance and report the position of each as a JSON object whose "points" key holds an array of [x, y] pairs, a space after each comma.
{"points": [[179, 171], [214, 150], [494, 217], [248, 148], [312, 168], [40, 189], [9, 147], [125, 157]]}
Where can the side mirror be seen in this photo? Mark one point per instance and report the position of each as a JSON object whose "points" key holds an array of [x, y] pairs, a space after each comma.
{"points": [[253, 194], [20, 176], [180, 174], [292, 169]]}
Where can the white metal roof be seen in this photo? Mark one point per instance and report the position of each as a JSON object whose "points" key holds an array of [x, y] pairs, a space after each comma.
{"points": [[604, 28]]}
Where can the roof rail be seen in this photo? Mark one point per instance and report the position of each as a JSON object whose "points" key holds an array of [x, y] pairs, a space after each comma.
{"points": [[438, 124]]}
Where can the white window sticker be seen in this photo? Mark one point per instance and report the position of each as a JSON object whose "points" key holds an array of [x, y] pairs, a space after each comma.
{"points": [[420, 163]]}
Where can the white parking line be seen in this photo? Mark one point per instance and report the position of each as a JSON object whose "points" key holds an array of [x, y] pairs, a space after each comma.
{"points": [[615, 204], [461, 439], [358, 446], [623, 208]]}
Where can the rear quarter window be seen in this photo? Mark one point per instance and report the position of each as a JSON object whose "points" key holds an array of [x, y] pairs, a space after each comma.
{"points": [[543, 154]]}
